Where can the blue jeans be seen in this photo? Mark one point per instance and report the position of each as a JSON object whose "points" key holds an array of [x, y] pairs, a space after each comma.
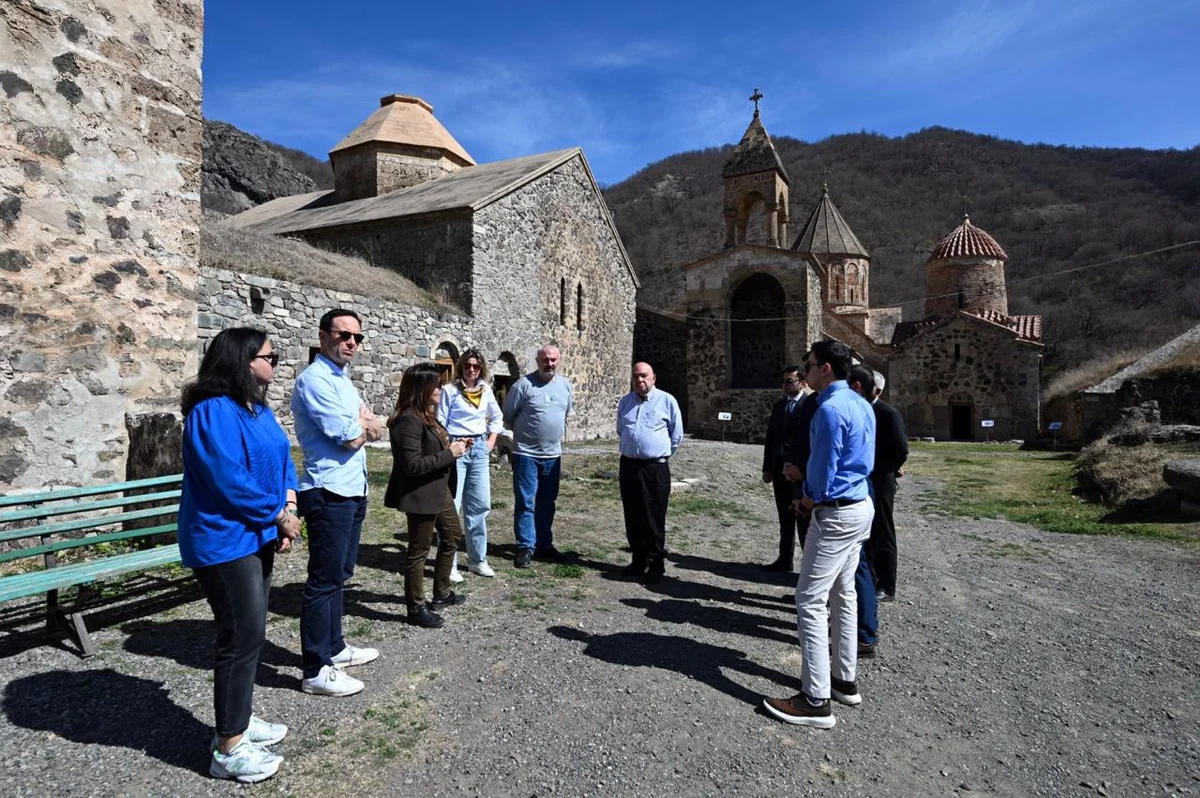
{"points": [[334, 524], [868, 606], [473, 500], [535, 490]]}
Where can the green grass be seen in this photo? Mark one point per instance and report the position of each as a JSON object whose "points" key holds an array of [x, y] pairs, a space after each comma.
{"points": [[686, 503], [568, 571], [1030, 487]]}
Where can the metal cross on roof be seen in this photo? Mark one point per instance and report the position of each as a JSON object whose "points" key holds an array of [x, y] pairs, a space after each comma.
{"points": [[755, 97]]}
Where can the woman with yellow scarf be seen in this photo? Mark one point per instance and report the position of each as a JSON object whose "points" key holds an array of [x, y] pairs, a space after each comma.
{"points": [[468, 409]]}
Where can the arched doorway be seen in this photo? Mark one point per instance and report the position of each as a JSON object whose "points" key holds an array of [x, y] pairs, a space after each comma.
{"points": [[756, 333], [445, 357]]}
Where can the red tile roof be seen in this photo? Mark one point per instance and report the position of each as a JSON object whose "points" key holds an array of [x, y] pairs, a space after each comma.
{"points": [[968, 241]]}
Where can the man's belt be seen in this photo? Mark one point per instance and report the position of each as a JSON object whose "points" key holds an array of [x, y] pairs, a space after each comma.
{"points": [[644, 459], [839, 502]]}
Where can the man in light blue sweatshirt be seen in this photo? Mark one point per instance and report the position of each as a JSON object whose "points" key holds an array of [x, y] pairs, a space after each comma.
{"points": [[536, 410]]}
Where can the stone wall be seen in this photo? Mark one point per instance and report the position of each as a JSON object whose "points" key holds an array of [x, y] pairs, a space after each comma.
{"points": [[998, 376], [1177, 395], [526, 244], [396, 335], [433, 251], [371, 170], [750, 410], [100, 133], [661, 341]]}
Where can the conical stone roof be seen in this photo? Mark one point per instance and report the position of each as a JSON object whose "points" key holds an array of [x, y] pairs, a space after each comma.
{"points": [[754, 153], [968, 241], [827, 233], [409, 121]]}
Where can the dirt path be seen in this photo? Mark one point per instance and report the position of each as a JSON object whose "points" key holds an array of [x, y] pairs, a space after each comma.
{"points": [[1014, 663]]}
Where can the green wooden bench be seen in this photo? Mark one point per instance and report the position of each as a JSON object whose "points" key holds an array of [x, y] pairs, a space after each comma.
{"points": [[97, 529]]}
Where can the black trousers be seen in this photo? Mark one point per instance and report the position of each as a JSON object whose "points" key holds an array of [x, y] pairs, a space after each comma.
{"points": [[237, 593], [881, 546], [645, 490], [791, 526], [420, 537]]}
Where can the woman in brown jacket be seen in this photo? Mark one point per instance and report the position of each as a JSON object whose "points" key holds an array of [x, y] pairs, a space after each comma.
{"points": [[422, 486]]}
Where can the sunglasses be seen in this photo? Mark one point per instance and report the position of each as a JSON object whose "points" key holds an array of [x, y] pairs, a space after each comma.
{"points": [[473, 366], [272, 358], [791, 381], [346, 335]]}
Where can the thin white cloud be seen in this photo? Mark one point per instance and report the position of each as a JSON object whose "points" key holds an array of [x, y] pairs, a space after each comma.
{"points": [[629, 56]]}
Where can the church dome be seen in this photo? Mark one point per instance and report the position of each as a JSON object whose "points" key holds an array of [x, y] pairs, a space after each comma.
{"points": [[968, 241]]}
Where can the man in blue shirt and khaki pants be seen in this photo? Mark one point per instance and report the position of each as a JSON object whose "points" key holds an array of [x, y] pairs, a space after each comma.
{"points": [[650, 429], [836, 491]]}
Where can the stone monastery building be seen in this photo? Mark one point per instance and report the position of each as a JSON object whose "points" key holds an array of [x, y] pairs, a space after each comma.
{"points": [[758, 305], [525, 247]]}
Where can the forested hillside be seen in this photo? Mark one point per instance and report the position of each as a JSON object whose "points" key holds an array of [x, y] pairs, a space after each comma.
{"points": [[1053, 209]]}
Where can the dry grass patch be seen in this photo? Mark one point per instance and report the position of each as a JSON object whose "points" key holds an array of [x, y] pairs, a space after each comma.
{"points": [[225, 247], [1089, 373], [1124, 473]]}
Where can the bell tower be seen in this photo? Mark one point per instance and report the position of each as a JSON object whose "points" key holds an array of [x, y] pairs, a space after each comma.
{"points": [[755, 178]]}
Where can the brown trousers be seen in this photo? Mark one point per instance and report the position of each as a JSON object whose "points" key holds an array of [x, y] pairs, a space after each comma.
{"points": [[420, 537]]}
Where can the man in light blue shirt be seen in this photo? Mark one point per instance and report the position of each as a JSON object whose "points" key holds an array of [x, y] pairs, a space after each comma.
{"points": [[332, 425], [836, 490], [536, 409], [650, 429]]}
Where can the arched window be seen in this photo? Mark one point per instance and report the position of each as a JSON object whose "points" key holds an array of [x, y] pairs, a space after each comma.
{"points": [[445, 357], [579, 307], [756, 333]]}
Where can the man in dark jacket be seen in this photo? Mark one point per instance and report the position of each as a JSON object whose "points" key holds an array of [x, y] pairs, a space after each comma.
{"points": [[891, 451], [783, 427]]}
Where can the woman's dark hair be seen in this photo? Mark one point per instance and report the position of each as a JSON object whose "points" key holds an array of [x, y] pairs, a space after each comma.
{"points": [[416, 392], [225, 370], [462, 364]]}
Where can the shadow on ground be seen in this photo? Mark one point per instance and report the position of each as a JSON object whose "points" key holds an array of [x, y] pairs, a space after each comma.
{"points": [[703, 662], [103, 707]]}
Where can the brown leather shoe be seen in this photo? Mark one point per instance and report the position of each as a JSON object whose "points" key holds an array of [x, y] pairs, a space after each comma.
{"points": [[798, 711]]}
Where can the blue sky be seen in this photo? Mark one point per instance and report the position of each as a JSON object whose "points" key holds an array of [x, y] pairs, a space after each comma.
{"points": [[633, 82]]}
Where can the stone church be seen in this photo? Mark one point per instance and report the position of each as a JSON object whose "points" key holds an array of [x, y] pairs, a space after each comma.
{"points": [[968, 370], [758, 305], [525, 247]]}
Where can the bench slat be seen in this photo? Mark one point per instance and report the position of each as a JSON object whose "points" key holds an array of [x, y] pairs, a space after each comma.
{"points": [[86, 507], [86, 523], [90, 540], [28, 584], [96, 490]]}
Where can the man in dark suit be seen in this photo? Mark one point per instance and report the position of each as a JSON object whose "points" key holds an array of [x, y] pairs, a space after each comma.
{"points": [[891, 451], [783, 428]]}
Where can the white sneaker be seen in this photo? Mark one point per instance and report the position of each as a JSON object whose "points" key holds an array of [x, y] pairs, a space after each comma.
{"points": [[455, 576], [332, 680], [262, 733], [248, 763], [481, 568], [352, 655]]}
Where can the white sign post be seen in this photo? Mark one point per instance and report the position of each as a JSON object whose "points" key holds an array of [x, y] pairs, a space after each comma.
{"points": [[987, 424], [724, 418]]}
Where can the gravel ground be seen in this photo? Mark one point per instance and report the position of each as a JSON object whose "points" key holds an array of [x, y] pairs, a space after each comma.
{"points": [[1015, 662]]}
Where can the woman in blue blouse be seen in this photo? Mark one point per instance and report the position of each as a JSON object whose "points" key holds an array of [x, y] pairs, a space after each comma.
{"points": [[468, 410], [237, 508]]}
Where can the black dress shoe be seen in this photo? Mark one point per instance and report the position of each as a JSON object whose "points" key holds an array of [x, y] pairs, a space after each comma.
{"points": [[866, 650], [425, 618], [633, 570], [451, 599], [652, 577], [778, 567], [524, 558]]}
